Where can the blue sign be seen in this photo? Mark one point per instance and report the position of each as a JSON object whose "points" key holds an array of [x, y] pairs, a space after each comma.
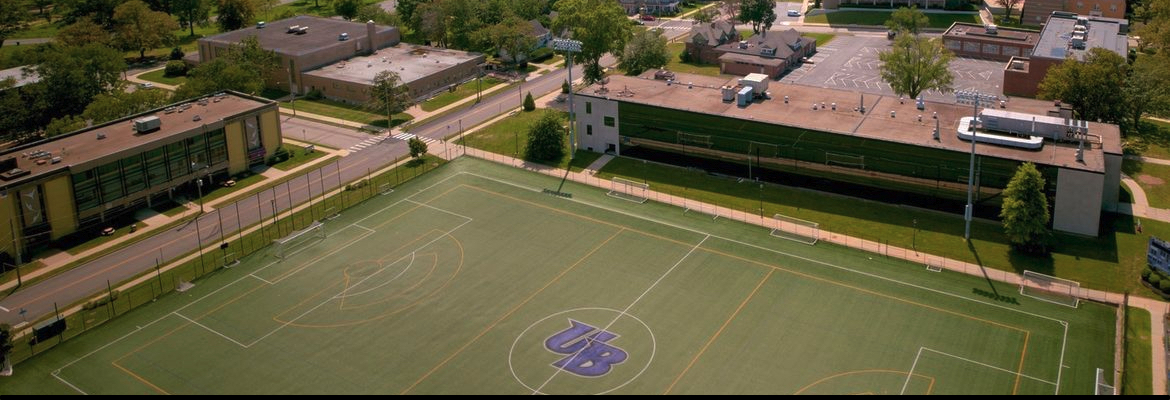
{"points": [[1158, 255]]}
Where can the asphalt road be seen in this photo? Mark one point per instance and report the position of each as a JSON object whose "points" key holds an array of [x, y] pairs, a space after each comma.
{"points": [[91, 278]]}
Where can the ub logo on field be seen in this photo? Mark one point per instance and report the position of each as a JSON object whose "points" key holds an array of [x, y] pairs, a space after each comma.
{"points": [[587, 350]]}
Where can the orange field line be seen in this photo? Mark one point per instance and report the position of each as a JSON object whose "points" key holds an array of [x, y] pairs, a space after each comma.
{"points": [[139, 378], [1020, 369], [719, 332]]}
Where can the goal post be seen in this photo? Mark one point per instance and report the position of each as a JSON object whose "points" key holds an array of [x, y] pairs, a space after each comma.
{"points": [[628, 190], [690, 139], [844, 160], [796, 229], [289, 245], [1050, 289], [1103, 388]]}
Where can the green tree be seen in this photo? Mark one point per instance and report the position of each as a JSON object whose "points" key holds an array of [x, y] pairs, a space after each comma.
{"points": [[109, 107], [1008, 5], [512, 38], [916, 64], [705, 15], [647, 50], [101, 11], [759, 13], [729, 8], [72, 76], [83, 32], [1155, 30], [390, 95], [192, 12], [546, 138], [40, 5], [529, 103], [418, 148], [235, 14], [14, 17], [464, 22], [1147, 89], [905, 19], [1025, 210], [244, 68], [565, 88], [1091, 87], [347, 9], [136, 27], [600, 25], [405, 8], [63, 125], [430, 21], [374, 12], [5, 344]]}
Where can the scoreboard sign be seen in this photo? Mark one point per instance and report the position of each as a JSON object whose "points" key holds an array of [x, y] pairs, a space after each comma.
{"points": [[1158, 255]]}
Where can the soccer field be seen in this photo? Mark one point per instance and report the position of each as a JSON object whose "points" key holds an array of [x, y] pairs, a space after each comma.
{"points": [[471, 280]]}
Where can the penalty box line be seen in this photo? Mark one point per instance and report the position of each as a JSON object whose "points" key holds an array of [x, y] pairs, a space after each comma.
{"points": [[910, 375]]}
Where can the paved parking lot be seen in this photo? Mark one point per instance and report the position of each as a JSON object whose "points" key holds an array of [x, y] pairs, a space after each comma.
{"points": [[851, 63]]}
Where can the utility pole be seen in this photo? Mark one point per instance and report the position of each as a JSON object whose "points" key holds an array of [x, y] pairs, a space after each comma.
{"points": [[569, 47], [973, 98]]}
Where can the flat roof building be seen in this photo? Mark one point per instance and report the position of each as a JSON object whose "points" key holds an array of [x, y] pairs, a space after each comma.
{"points": [[989, 41], [1034, 12], [423, 69], [81, 180], [304, 43], [823, 132], [1065, 36]]}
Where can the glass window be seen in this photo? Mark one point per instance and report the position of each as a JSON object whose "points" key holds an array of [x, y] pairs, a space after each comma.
{"points": [[217, 146], [133, 173], [1011, 51], [156, 166], [588, 107], [85, 192], [989, 48], [110, 180], [177, 160], [608, 121], [588, 129], [971, 47], [954, 44]]}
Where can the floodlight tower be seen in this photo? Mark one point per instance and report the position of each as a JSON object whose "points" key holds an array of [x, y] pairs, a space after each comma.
{"points": [[973, 98], [569, 47]]}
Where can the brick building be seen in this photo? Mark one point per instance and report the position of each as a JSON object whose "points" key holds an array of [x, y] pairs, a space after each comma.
{"points": [[425, 70], [706, 37], [1035, 12], [989, 42], [1064, 36], [770, 53]]}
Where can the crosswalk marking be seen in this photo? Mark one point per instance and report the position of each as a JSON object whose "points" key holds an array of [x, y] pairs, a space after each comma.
{"points": [[406, 137], [368, 142]]}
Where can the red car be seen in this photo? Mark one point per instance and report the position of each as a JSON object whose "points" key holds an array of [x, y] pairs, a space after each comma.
{"points": [[647, 17]]}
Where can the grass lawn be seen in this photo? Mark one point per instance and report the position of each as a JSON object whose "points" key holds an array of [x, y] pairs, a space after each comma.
{"points": [[940, 21], [1151, 140], [822, 38], [1112, 262], [1153, 178], [349, 112], [674, 49], [157, 76], [509, 136], [298, 157], [1138, 378], [463, 91], [241, 184], [38, 29]]}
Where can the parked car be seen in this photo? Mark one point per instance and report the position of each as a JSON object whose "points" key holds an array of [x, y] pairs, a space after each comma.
{"points": [[647, 17], [146, 85], [793, 13]]}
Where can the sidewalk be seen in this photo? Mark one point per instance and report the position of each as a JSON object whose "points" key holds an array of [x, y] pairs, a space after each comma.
{"points": [[135, 79], [1157, 309], [159, 221]]}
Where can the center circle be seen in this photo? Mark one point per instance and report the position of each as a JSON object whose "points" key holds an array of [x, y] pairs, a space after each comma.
{"points": [[598, 346]]}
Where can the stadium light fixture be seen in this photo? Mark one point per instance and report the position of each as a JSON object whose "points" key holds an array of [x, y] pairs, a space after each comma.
{"points": [[569, 47], [975, 99]]}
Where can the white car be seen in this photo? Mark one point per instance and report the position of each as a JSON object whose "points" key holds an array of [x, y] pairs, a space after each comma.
{"points": [[146, 86], [793, 13]]}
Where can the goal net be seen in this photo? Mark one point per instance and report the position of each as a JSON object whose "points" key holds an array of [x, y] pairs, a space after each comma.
{"points": [[626, 189], [690, 139], [844, 160], [766, 150], [1103, 389], [796, 229], [1050, 288], [289, 245]]}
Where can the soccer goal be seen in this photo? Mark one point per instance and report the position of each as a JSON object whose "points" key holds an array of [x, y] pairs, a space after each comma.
{"points": [[628, 190], [289, 245], [1050, 288], [690, 139], [761, 149], [844, 160], [796, 229], [1103, 389], [385, 189]]}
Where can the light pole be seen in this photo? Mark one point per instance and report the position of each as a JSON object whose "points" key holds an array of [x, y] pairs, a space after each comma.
{"points": [[914, 239], [569, 47], [973, 98], [199, 186]]}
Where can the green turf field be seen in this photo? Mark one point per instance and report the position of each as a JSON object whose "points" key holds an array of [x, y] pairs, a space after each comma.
{"points": [[470, 280]]}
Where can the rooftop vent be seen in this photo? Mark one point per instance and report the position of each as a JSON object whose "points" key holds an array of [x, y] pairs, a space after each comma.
{"points": [[260, 25], [343, 36], [743, 44], [767, 51], [294, 29], [992, 29]]}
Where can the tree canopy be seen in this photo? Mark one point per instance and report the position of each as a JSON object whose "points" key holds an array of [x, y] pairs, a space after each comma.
{"points": [[546, 138], [389, 95], [14, 17], [138, 28], [418, 148], [1090, 87], [1025, 210], [910, 20], [192, 12], [235, 14], [244, 68], [647, 50], [347, 9], [759, 13], [916, 64], [601, 27]]}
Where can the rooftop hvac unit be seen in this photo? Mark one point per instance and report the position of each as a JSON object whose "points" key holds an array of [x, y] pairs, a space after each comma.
{"points": [[743, 44], [147, 124], [992, 29]]}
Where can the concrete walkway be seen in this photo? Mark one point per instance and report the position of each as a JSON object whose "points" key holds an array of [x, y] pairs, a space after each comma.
{"points": [[135, 79], [1157, 309], [1150, 160], [154, 221]]}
